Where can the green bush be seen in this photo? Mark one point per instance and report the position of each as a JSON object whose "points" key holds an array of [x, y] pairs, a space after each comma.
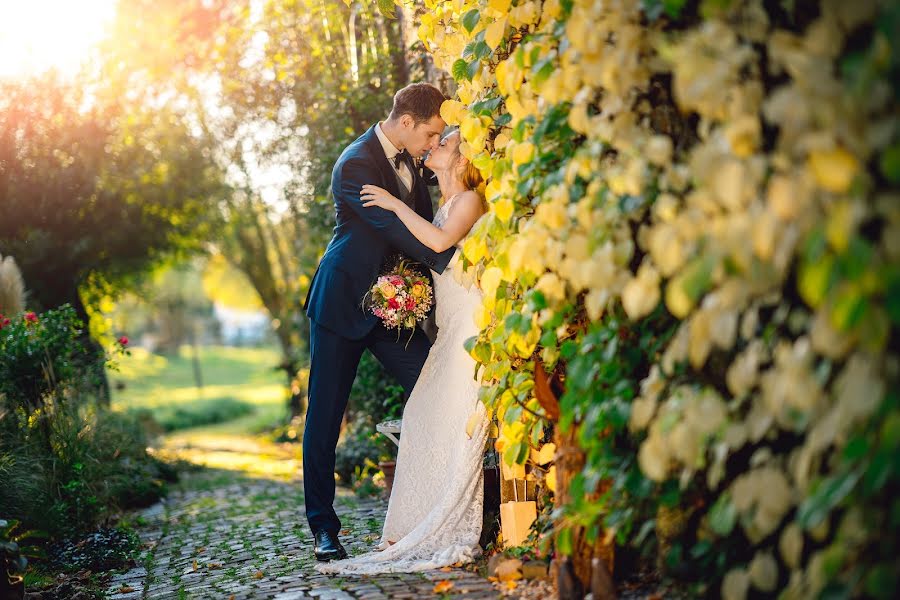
{"points": [[94, 464], [40, 355], [197, 413], [67, 463]]}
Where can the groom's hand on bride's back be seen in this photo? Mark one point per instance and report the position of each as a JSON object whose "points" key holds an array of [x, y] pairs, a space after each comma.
{"points": [[357, 172]]}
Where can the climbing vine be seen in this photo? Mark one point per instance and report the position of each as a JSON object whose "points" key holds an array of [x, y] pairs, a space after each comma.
{"points": [[694, 229]]}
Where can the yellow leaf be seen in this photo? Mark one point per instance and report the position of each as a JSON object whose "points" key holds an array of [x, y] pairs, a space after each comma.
{"points": [[195, 565], [490, 281], [504, 208], [473, 421], [474, 249], [445, 569], [546, 454], [550, 479], [452, 112], [511, 585], [483, 317], [500, 5], [494, 33], [522, 153], [442, 587], [258, 575], [833, 169]]}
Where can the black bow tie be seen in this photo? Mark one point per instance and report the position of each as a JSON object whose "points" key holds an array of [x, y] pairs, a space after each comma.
{"points": [[401, 156]]}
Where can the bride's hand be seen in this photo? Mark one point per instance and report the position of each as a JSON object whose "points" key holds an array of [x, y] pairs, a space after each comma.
{"points": [[372, 195]]}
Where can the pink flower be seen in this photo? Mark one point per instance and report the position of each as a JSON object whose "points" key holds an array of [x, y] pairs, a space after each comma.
{"points": [[30, 317], [410, 303], [396, 280], [123, 340]]}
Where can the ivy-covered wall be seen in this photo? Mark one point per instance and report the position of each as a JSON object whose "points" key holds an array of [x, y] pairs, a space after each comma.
{"points": [[694, 227]]}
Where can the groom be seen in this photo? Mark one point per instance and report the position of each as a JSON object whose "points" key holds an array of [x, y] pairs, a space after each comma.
{"points": [[340, 330]]}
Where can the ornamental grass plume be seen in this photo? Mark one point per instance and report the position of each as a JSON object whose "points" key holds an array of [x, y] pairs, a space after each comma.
{"points": [[12, 287]]}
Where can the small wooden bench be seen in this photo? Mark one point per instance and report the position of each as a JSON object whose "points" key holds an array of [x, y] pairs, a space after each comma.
{"points": [[391, 429]]}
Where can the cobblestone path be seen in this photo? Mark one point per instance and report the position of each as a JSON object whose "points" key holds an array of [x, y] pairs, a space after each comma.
{"points": [[239, 533]]}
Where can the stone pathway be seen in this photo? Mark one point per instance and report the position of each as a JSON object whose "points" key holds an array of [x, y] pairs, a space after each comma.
{"points": [[233, 534]]}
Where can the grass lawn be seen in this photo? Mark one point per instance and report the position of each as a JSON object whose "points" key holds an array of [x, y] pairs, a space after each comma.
{"points": [[163, 384]]}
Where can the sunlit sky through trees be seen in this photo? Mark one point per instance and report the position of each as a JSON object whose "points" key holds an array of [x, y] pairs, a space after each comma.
{"points": [[40, 35], [37, 35]]}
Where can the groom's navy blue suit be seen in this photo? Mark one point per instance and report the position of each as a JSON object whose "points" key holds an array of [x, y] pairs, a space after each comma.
{"points": [[340, 330]]}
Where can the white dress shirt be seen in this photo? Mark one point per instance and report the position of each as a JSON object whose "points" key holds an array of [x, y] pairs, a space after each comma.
{"points": [[390, 151]]}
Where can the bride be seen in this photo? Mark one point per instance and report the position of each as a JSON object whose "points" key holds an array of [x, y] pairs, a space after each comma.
{"points": [[434, 515]]}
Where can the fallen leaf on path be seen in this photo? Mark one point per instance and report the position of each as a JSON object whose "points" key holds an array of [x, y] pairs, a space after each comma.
{"points": [[125, 589], [195, 565], [511, 585], [259, 575], [214, 566], [200, 549], [446, 569], [442, 587]]}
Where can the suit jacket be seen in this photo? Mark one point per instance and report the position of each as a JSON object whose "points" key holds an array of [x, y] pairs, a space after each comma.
{"points": [[363, 239]]}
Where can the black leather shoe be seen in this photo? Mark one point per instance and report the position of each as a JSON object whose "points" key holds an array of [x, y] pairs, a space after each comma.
{"points": [[328, 547]]}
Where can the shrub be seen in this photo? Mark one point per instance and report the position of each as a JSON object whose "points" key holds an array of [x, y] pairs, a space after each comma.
{"points": [[208, 411], [39, 355], [66, 462]]}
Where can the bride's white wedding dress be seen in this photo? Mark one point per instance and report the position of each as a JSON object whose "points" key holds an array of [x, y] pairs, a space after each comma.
{"points": [[434, 515]]}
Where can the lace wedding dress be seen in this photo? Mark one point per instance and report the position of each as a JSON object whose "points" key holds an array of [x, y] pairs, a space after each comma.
{"points": [[434, 514]]}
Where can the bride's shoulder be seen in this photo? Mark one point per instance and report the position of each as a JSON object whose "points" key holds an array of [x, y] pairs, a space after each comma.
{"points": [[468, 198]]}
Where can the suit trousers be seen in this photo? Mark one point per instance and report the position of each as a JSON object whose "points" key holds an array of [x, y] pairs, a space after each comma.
{"points": [[333, 363]]}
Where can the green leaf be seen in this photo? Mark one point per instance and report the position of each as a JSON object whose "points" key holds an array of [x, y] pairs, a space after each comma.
{"points": [[470, 19], [829, 493], [486, 107], [459, 69], [723, 516], [481, 50], [889, 163], [472, 69], [815, 279], [849, 308], [542, 70], [564, 542], [387, 8]]}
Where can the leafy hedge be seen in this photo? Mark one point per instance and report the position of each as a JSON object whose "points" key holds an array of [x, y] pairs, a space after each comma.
{"points": [[694, 220]]}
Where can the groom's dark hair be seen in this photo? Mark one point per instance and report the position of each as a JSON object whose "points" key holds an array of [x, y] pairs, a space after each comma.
{"points": [[421, 101]]}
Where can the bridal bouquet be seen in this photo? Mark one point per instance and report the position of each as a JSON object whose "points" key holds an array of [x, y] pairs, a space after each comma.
{"points": [[401, 297]]}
